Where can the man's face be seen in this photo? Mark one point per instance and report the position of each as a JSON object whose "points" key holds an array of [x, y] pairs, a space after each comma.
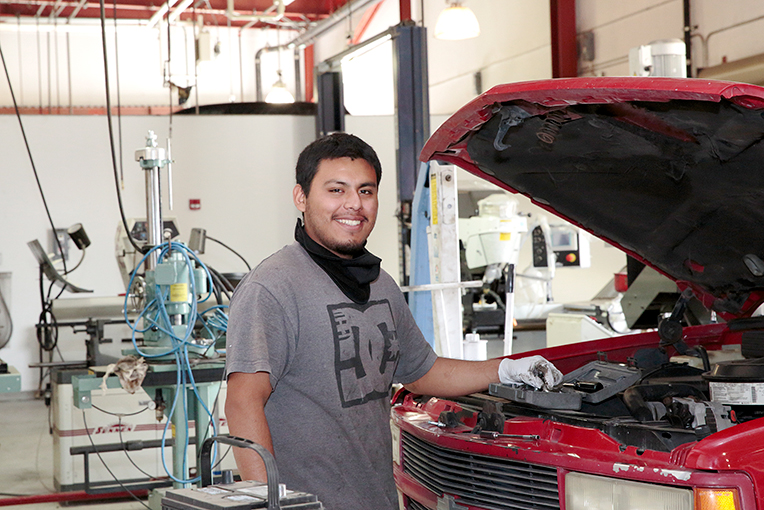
{"points": [[341, 208]]}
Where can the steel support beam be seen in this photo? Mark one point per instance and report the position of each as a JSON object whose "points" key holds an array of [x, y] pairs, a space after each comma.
{"points": [[564, 51], [687, 12], [330, 116], [412, 116]]}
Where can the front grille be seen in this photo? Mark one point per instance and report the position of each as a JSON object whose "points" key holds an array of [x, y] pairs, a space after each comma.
{"points": [[487, 482], [414, 505]]}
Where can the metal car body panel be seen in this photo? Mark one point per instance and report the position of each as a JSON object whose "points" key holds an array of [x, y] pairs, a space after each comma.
{"points": [[610, 149], [660, 167]]}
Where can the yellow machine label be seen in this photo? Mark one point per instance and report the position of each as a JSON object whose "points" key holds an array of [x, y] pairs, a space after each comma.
{"points": [[434, 197], [179, 292], [505, 236]]}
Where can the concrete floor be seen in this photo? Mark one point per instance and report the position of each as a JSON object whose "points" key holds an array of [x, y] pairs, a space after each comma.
{"points": [[26, 456]]}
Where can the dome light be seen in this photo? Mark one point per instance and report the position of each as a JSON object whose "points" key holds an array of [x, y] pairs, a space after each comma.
{"points": [[456, 22], [279, 93]]}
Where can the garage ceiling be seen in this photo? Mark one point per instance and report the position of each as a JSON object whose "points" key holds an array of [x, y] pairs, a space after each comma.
{"points": [[213, 11]]}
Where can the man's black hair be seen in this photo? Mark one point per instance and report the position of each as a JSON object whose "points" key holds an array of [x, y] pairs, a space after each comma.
{"points": [[333, 146]]}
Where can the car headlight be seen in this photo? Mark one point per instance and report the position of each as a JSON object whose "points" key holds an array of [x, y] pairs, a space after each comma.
{"points": [[587, 492]]}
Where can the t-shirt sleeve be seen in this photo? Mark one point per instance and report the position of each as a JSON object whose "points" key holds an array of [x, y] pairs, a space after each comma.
{"points": [[259, 333], [417, 356]]}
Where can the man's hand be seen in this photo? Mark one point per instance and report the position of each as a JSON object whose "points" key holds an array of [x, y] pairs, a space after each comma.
{"points": [[534, 371]]}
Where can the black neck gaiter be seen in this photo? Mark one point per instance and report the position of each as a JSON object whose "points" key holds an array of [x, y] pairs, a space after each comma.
{"points": [[352, 276]]}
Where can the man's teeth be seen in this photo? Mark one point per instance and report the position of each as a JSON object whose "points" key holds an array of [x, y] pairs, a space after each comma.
{"points": [[352, 223]]}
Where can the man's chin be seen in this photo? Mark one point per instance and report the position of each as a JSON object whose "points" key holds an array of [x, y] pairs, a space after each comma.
{"points": [[349, 250]]}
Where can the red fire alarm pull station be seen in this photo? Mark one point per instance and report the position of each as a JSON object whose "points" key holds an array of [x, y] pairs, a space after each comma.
{"points": [[195, 204]]}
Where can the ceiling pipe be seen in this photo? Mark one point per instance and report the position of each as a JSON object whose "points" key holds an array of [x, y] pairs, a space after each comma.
{"points": [[297, 75], [366, 20], [328, 23], [258, 71], [405, 10], [180, 9], [278, 4], [77, 9], [161, 12]]}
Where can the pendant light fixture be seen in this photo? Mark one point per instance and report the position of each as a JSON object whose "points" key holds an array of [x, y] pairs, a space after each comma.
{"points": [[279, 92], [456, 22]]}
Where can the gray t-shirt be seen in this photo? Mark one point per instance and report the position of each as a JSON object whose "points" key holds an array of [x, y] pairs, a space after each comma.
{"points": [[331, 364]]}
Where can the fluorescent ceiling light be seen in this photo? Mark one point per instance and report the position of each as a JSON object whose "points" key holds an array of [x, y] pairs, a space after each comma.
{"points": [[456, 22]]}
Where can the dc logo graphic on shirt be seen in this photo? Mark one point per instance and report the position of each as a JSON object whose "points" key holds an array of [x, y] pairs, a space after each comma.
{"points": [[365, 350]]}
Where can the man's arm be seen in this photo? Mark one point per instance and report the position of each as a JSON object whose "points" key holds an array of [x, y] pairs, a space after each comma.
{"points": [[245, 411], [452, 377]]}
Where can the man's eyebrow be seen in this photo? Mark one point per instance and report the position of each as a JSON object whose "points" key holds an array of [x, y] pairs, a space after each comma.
{"points": [[338, 182]]}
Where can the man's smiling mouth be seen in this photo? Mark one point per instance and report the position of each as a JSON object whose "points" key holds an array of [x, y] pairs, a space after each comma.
{"points": [[352, 223]]}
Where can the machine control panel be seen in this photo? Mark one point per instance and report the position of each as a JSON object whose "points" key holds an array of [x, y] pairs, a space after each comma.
{"points": [[539, 248]]}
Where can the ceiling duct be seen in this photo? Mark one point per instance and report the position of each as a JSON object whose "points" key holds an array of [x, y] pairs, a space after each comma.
{"points": [[334, 18]]}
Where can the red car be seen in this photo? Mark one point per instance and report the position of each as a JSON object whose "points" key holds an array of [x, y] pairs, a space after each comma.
{"points": [[672, 172]]}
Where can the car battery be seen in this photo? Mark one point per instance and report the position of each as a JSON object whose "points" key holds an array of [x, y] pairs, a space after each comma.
{"points": [[236, 496]]}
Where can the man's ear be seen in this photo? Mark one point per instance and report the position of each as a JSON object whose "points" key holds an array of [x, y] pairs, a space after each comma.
{"points": [[298, 195]]}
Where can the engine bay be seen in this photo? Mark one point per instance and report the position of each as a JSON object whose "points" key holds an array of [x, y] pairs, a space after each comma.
{"points": [[657, 408]]}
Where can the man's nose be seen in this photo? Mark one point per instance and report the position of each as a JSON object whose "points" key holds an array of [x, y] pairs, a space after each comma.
{"points": [[353, 201]]}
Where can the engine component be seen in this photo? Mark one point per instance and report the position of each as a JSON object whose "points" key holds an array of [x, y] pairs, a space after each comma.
{"points": [[490, 419], [638, 399], [739, 384], [703, 417]]}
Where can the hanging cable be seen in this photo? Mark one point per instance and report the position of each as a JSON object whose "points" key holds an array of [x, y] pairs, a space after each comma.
{"points": [[231, 249], [119, 98], [124, 449], [82, 258], [138, 249], [31, 159], [121, 439], [47, 333], [87, 430]]}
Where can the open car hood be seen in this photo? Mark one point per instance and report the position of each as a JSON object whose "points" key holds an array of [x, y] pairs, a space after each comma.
{"points": [[669, 170]]}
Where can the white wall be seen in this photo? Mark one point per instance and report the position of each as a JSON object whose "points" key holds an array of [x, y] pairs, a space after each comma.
{"points": [[43, 61], [241, 167], [513, 45], [619, 26]]}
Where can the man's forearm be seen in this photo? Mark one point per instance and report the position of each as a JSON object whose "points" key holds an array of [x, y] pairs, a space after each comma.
{"points": [[451, 377], [245, 412], [248, 462]]}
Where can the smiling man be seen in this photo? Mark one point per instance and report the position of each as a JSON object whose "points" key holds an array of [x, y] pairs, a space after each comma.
{"points": [[317, 335]]}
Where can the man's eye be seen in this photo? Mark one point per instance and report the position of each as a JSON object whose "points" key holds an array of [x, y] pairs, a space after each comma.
{"points": [[334, 190], [367, 192]]}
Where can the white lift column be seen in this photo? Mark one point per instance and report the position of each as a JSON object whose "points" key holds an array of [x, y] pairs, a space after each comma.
{"points": [[443, 241]]}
